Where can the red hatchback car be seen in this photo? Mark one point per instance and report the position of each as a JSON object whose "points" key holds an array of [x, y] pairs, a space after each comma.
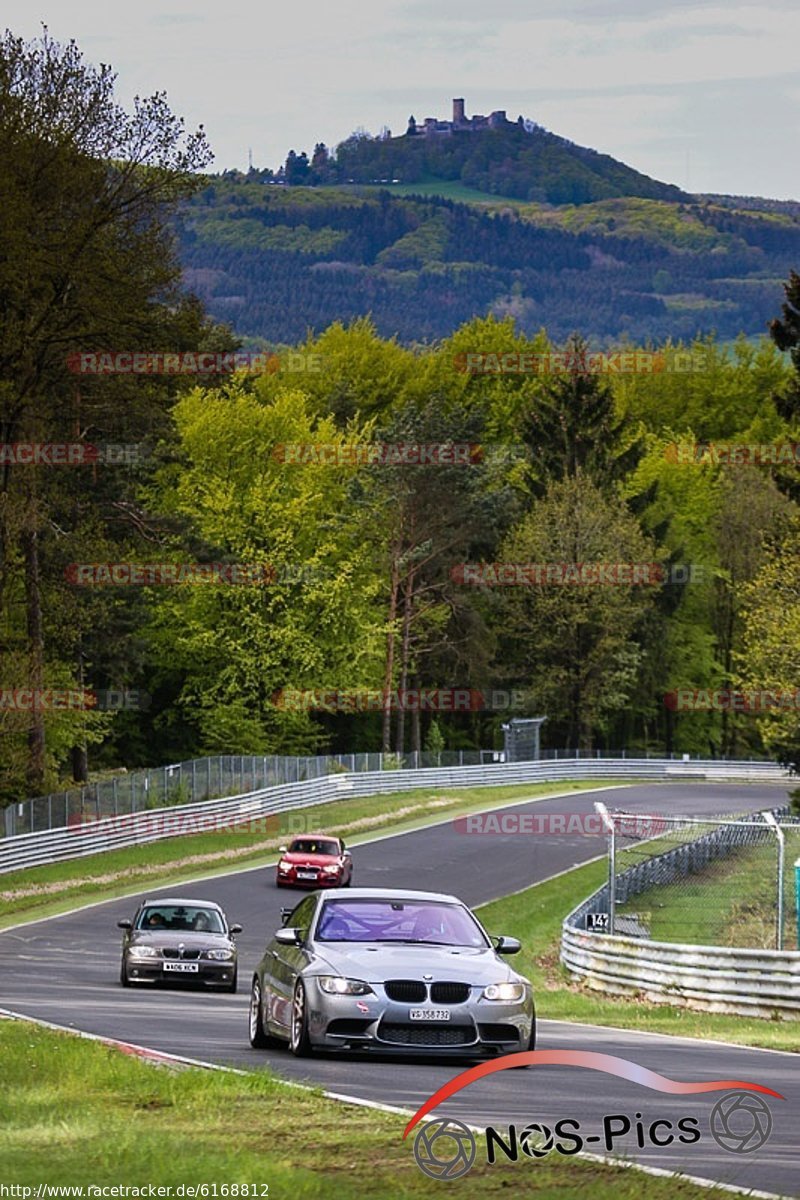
{"points": [[314, 862]]}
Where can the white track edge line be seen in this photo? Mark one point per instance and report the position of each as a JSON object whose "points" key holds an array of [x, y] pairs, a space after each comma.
{"points": [[265, 865], [160, 1058]]}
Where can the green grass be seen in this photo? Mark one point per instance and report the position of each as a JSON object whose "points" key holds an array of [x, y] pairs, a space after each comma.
{"points": [[36, 892], [535, 917], [448, 189], [74, 1112], [730, 903]]}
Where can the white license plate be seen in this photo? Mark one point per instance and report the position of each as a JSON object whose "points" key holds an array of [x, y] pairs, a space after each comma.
{"points": [[429, 1014], [306, 874], [189, 968]]}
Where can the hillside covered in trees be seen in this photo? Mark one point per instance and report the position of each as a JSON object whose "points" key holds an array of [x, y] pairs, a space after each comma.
{"points": [[522, 160], [276, 261], [209, 546]]}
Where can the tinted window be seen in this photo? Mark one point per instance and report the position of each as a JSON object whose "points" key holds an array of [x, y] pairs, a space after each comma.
{"points": [[313, 846], [181, 918], [303, 915], [399, 921]]}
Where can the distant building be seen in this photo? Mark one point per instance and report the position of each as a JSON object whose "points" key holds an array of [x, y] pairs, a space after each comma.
{"points": [[433, 127]]}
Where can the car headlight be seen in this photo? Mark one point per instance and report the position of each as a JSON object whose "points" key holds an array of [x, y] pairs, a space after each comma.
{"points": [[143, 952], [507, 992], [331, 870], [282, 866], [219, 955], [337, 985]]}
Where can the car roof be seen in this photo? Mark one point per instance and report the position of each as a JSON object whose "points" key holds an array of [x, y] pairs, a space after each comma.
{"points": [[182, 901], [368, 893], [315, 837]]}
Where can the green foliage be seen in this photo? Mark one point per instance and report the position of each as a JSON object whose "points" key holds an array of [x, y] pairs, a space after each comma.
{"points": [[435, 741]]}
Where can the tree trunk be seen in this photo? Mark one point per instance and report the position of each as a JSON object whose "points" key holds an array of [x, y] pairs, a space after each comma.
{"points": [[416, 731], [408, 605], [80, 764], [33, 609], [386, 737]]}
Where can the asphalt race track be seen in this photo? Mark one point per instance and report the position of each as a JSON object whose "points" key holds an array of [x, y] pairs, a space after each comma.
{"points": [[65, 969]]}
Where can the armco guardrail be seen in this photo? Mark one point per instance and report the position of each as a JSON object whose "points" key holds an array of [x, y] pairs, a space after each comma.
{"points": [[749, 982], [712, 978], [79, 840]]}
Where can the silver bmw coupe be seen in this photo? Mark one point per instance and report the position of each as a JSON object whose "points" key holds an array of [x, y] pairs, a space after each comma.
{"points": [[392, 972]]}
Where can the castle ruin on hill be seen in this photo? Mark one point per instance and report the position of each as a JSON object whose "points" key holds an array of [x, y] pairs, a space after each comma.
{"points": [[461, 123]]}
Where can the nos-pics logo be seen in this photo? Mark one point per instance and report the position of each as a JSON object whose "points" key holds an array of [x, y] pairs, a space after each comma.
{"points": [[740, 1122]]}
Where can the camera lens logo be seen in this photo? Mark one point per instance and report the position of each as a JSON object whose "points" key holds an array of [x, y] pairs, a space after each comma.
{"points": [[740, 1122], [444, 1149], [536, 1140]]}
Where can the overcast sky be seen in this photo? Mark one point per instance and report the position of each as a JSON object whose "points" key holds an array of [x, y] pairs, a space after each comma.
{"points": [[702, 94]]}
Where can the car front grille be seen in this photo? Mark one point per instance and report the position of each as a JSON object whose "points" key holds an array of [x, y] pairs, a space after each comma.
{"points": [[449, 993], [406, 991], [430, 1034], [174, 952]]}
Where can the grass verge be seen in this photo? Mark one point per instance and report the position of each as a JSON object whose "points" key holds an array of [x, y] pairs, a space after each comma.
{"points": [[535, 917], [37, 892], [730, 903], [75, 1113]]}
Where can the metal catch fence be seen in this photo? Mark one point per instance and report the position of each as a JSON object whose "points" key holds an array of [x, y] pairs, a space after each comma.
{"points": [[714, 881]]}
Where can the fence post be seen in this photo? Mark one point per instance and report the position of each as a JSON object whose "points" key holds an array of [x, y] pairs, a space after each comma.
{"points": [[770, 819], [612, 861]]}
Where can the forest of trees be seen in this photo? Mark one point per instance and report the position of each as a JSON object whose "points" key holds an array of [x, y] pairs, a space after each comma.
{"points": [[363, 581], [522, 161], [277, 261]]}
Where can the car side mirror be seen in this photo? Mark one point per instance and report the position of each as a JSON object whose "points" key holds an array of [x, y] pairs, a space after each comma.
{"points": [[347, 854], [125, 924], [282, 850], [236, 929], [508, 945], [288, 937]]}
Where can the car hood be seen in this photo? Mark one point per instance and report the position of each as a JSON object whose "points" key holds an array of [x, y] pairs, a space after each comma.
{"points": [[312, 860], [375, 962], [174, 937]]}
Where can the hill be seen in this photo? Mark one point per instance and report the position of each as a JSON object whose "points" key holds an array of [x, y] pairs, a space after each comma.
{"points": [[519, 161], [276, 261]]}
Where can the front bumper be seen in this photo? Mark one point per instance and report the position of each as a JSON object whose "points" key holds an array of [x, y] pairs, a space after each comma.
{"points": [[152, 970], [289, 879], [476, 1028]]}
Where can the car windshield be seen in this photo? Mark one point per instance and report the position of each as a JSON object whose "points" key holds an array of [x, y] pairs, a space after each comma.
{"points": [[184, 918], [408, 921], [313, 846]]}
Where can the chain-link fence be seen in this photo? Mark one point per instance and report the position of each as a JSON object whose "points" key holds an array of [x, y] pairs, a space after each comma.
{"points": [[714, 881], [210, 779], [234, 774]]}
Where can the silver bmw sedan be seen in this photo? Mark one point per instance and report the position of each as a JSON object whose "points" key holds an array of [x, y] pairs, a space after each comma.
{"points": [[389, 971]]}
